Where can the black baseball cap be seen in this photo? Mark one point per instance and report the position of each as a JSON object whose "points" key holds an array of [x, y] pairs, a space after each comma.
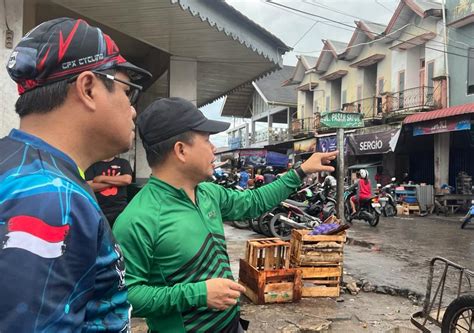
{"points": [[168, 117], [61, 48]]}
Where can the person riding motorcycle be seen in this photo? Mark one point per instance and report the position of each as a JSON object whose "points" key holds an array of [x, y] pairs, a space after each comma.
{"points": [[364, 189], [330, 186]]}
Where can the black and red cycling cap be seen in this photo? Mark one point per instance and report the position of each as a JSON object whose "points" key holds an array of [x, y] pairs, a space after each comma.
{"points": [[61, 48]]}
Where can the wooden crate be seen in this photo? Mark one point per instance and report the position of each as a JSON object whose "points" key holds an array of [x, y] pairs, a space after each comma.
{"points": [[317, 250], [411, 209], [274, 286], [321, 281], [268, 253]]}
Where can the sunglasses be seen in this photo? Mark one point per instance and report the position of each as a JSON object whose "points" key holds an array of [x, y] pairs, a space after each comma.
{"points": [[133, 93]]}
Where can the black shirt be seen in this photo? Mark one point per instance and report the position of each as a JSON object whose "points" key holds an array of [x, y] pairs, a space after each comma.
{"points": [[113, 199]]}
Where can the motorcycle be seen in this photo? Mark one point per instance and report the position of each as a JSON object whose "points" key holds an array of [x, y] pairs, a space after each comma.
{"points": [[321, 204], [467, 218], [368, 210], [291, 216], [387, 200]]}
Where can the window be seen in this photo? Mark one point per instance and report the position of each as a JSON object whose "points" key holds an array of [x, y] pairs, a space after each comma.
{"points": [[359, 92], [344, 97], [328, 102], [470, 72]]}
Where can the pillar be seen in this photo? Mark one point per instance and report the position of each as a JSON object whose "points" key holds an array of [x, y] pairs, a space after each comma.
{"points": [[13, 11], [183, 78], [441, 159]]}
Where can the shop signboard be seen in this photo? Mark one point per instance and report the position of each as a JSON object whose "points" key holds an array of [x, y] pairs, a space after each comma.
{"points": [[304, 146], [337, 119], [374, 143], [442, 126]]}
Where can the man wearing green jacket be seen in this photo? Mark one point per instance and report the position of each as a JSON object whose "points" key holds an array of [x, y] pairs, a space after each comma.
{"points": [[172, 236]]}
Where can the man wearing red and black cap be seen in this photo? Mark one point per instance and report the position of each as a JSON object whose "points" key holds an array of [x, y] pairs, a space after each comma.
{"points": [[171, 233], [61, 269]]}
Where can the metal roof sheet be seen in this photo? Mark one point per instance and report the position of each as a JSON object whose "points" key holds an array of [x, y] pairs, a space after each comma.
{"points": [[441, 113]]}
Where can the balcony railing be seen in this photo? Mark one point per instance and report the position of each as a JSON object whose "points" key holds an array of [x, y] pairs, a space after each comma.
{"points": [[272, 135], [411, 99], [300, 127], [370, 107]]}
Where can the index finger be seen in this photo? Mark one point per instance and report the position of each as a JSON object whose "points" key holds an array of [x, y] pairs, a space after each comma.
{"points": [[236, 286]]}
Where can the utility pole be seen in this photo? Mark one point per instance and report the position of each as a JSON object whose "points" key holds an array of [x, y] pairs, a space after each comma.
{"points": [[340, 173], [340, 120]]}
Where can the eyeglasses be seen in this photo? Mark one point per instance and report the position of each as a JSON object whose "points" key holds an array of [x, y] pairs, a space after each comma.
{"points": [[133, 93]]}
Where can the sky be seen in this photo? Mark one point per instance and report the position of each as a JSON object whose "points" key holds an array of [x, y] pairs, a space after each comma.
{"points": [[303, 32]]}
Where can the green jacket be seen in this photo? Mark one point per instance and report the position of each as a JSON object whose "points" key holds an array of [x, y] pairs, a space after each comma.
{"points": [[172, 246]]}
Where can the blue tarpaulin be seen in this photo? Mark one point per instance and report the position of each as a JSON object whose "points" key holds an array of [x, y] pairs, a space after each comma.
{"points": [[277, 159]]}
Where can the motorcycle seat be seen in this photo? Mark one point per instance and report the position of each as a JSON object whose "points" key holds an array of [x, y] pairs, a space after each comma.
{"points": [[296, 203]]}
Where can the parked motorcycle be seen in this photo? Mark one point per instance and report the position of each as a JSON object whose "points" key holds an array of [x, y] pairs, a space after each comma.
{"points": [[368, 210], [292, 216], [322, 204]]}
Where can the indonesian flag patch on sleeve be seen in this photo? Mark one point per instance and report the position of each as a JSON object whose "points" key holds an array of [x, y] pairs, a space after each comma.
{"points": [[36, 236]]}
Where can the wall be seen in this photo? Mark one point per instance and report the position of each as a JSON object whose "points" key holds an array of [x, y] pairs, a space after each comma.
{"points": [[459, 40], [8, 91]]}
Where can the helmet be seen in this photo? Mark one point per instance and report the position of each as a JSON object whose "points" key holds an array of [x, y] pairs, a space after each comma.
{"points": [[363, 173]]}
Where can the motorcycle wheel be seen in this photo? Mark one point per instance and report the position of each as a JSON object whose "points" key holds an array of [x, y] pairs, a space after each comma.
{"points": [[459, 316], [263, 223], [465, 222], [373, 222], [389, 210], [244, 224], [255, 226], [279, 228], [347, 215]]}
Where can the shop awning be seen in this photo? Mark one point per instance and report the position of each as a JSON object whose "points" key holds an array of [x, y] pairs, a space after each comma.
{"points": [[441, 113]]}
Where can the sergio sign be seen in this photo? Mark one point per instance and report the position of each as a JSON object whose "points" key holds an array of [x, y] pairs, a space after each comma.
{"points": [[338, 119]]}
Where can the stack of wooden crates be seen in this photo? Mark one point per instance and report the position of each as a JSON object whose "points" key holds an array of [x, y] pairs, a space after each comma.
{"points": [[320, 259], [266, 274]]}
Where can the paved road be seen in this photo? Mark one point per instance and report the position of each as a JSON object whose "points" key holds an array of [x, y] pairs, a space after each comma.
{"points": [[403, 246]]}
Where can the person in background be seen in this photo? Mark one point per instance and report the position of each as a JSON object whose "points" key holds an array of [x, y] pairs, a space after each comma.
{"points": [[364, 189], [243, 178], [268, 175], [109, 179], [329, 185], [61, 268], [172, 233]]}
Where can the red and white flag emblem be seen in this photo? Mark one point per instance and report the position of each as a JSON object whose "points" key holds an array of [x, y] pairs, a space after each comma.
{"points": [[36, 236]]}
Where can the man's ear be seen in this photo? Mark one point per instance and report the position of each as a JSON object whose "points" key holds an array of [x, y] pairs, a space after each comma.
{"points": [[180, 151], [86, 89]]}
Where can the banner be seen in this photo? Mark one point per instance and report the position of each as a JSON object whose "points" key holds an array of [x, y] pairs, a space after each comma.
{"points": [[252, 157], [304, 146], [329, 143], [442, 125], [374, 143]]}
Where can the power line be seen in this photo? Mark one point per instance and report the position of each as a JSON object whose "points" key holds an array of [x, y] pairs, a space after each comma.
{"points": [[382, 5], [377, 34], [408, 33], [307, 31]]}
